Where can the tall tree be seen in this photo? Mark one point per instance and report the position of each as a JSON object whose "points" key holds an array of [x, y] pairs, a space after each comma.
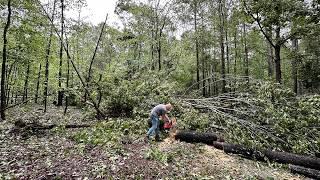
{"points": [[4, 61], [48, 51], [222, 53], [294, 65], [275, 15], [60, 92]]}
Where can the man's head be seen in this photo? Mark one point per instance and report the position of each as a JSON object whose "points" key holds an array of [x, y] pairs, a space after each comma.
{"points": [[168, 107]]}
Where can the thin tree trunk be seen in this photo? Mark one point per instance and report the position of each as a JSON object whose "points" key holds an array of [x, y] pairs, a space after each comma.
{"points": [[223, 69], [26, 84], [294, 66], [235, 52], [246, 58], [48, 50], [4, 61], [67, 87], [95, 51], [227, 51], [197, 43], [277, 51], [60, 92], [38, 84], [99, 91], [270, 56], [152, 50]]}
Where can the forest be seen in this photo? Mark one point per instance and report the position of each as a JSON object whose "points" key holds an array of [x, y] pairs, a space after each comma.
{"points": [[242, 76]]}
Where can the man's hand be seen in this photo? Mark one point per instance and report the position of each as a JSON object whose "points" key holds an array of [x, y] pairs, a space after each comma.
{"points": [[165, 118]]}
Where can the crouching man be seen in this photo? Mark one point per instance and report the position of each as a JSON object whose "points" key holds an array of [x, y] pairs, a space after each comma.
{"points": [[158, 111]]}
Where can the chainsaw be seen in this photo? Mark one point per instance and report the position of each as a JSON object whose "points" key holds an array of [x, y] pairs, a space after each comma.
{"points": [[165, 126]]}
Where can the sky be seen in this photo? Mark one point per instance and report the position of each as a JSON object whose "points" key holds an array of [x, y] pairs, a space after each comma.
{"points": [[96, 11]]}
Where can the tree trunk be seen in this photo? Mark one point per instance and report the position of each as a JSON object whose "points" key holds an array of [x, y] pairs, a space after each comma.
{"points": [[275, 156], [270, 56], [294, 66], [203, 58], [48, 50], [235, 52], [94, 54], [26, 83], [277, 51], [196, 137], [246, 57], [311, 173], [223, 69], [197, 43], [60, 92], [227, 51], [99, 98], [159, 49], [38, 84], [67, 86], [4, 61]]}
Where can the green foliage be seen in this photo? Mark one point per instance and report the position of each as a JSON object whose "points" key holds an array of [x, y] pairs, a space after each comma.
{"points": [[136, 95], [110, 133], [155, 154], [293, 120]]}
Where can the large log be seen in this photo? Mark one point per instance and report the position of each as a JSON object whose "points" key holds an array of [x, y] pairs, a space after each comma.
{"points": [[311, 173], [37, 126], [196, 137], [240, 150], [276, 156], [290, 158]]}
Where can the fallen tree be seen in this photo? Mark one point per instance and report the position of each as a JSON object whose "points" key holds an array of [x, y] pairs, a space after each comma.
{"points": [[19, 124], [196, 137], [305, 165], [276, 156], [311, 173]]}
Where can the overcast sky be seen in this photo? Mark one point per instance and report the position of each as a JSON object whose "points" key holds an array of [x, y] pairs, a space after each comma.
{"points": [[96, 11]]}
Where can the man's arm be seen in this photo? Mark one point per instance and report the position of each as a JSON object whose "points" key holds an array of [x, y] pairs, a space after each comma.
{"points": [[165, 118]]}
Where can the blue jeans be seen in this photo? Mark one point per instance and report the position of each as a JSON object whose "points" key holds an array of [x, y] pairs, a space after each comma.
{"points": [[155, 126]]}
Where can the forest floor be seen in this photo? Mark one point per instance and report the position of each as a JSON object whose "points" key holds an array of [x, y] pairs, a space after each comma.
{"points": [[53, 154]]}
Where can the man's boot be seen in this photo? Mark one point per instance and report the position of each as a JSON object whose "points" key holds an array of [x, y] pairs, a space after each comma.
{"points": [[157, 138]]}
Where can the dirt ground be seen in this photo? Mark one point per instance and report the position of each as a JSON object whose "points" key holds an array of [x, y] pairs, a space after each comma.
{"points": [[52, 154]]}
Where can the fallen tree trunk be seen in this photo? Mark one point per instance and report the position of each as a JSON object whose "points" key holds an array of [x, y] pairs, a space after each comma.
{"points": [[240, 150], [36, 126], [276, 156], [290, 158], [196, 137], [311, 173]]}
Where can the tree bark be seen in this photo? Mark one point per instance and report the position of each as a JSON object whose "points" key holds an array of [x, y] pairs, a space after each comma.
{"points": [[26, 83], [197, 43], [196, 137], [223, 69], [270, 56], [4, 61], [311, 173], [294, 66], [235, 52], [275, 156], [38, 84], [48, 50], [277, 51], [60, 92], [246, 57], [67, 86]]}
